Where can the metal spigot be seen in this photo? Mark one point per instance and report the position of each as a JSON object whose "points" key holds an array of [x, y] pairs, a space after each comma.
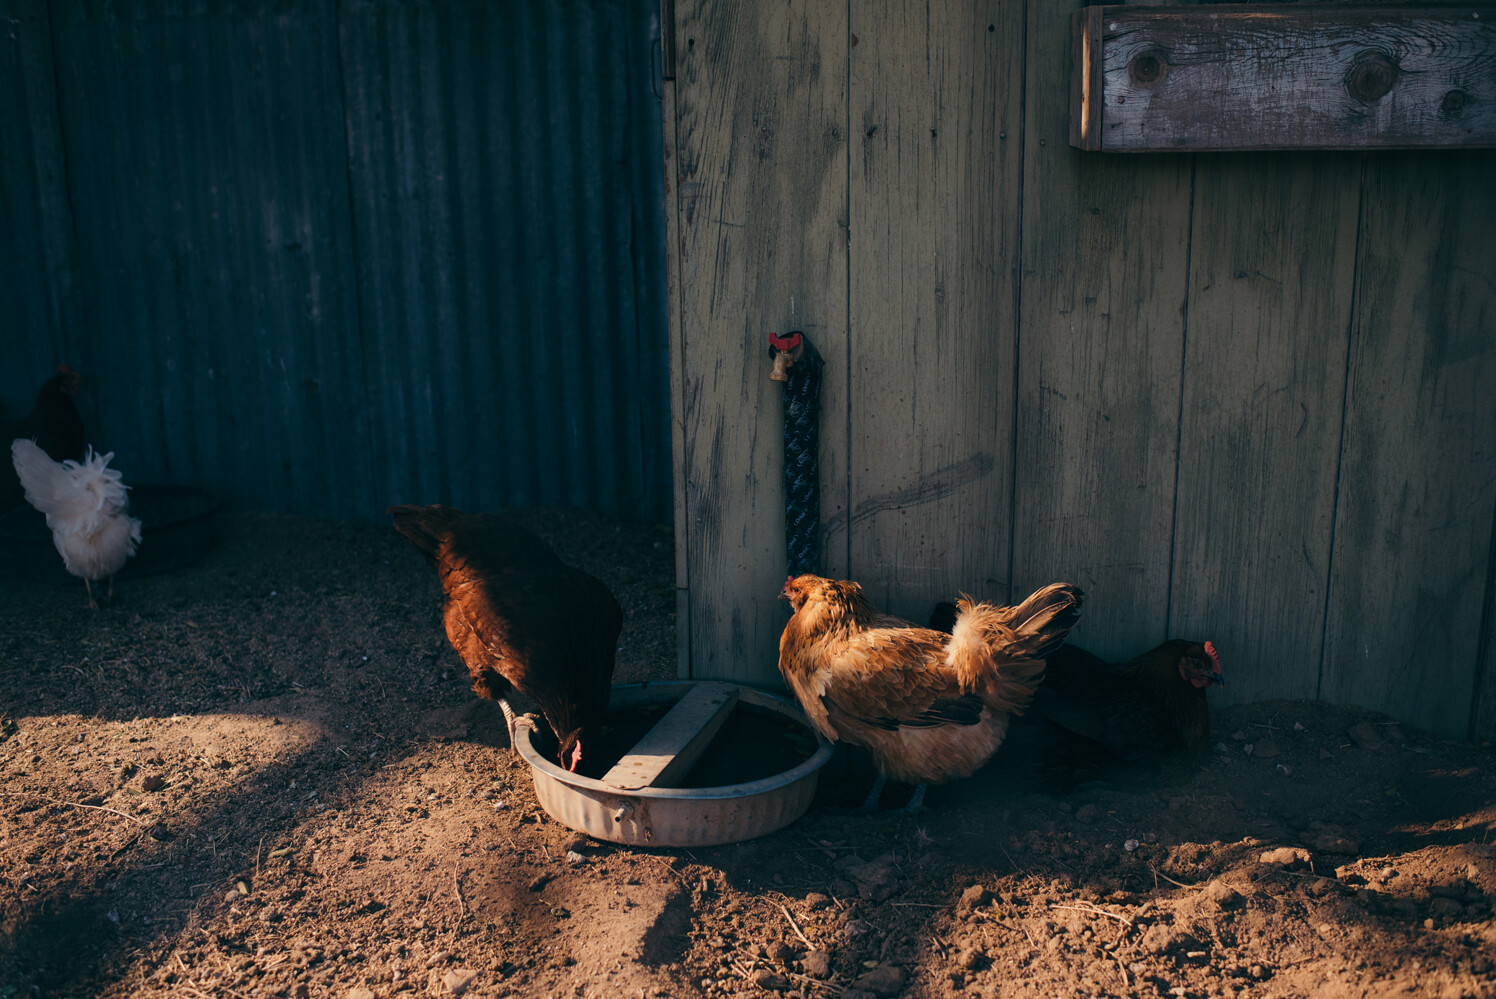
{"points": [[785, 350]]}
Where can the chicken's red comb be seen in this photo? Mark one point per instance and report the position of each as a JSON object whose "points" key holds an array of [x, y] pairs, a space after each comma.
{"points": [[1210, 650], [787, 342]]}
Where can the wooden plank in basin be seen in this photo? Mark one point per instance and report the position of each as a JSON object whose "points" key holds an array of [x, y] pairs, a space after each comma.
{"points": [[668, 751]]}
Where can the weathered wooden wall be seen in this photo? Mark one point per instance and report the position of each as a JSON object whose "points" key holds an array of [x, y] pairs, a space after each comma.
{"points": [[1244, 397], [328, 255]]}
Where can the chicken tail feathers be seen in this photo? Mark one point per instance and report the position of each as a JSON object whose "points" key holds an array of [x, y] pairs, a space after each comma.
{"points": [[427, 527], [83, 492], [1041, 622], [999, 651]]}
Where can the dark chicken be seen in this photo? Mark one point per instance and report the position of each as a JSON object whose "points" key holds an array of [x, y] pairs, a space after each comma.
{"points": [[1141, 719], [1096, 720], [928, 706], [53, 423], [521, 618]]}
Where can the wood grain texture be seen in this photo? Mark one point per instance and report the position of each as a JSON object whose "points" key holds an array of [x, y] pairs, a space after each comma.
{"points": [[1104, 284], [1272, 262], [1296, 77], [935, 100], [760, 169], [678, 433], [36, 227], [1418, 482]]}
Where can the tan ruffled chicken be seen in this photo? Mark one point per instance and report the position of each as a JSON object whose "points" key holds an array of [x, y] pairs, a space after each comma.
{"points": [[928, 706]]}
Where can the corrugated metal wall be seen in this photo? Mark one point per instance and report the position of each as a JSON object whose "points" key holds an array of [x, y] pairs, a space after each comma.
{"points": [[35, 227], [325, 257]]}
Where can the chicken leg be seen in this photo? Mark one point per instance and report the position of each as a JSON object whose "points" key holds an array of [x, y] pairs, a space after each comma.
{"points": [[92, 603]]}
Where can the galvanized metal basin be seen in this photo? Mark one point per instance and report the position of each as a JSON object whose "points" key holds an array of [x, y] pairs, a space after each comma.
{"points": [[667, 816]]}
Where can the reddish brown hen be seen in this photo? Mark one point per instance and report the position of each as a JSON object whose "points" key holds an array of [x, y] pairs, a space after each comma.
{"points": [[521, 618], [928, 706]]}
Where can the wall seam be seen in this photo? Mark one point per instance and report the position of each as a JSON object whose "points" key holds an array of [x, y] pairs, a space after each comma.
{"points": [[1184, 342], [1023, 112], [847, 287], [1345, 405]]}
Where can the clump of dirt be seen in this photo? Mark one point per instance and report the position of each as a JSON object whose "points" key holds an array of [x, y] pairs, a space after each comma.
{"points": [[263, 774]]}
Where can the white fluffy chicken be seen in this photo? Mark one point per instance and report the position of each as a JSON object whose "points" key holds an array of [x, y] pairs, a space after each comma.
{"points": [[86, 507]]}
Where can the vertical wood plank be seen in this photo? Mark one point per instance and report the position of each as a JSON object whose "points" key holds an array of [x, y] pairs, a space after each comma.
{"points": [[677, 367], [936, 99], [1272, 261], [1418, 482], [761, 193], [1105, 265]]}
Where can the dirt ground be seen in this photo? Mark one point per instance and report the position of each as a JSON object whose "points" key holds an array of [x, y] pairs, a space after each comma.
{"points": [[264, 775]]}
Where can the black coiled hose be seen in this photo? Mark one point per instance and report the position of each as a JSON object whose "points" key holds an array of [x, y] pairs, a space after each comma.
{"points": [[802, 427]]}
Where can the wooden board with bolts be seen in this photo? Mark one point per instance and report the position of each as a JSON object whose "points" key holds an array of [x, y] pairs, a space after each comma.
{"points": [[1282, 76]]}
